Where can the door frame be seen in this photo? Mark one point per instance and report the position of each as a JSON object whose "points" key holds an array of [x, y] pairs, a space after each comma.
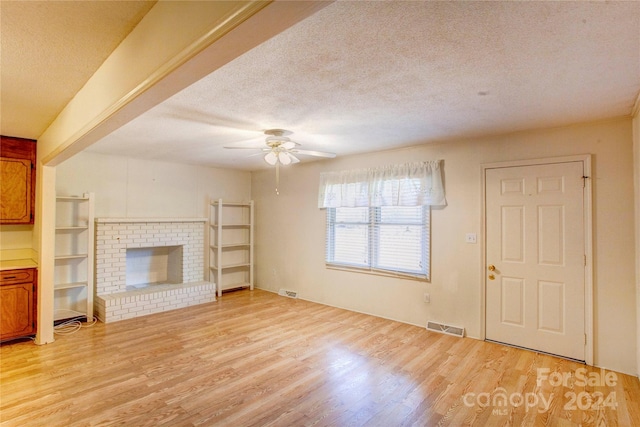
{"points": [[588, 240]]}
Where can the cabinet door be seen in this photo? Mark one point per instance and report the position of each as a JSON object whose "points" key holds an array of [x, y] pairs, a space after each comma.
{"points": [[15, 195], [17, 180], [16, 310]]}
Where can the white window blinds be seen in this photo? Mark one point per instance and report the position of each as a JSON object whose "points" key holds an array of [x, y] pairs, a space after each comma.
{"points": [[385, 239], [378, 219]]}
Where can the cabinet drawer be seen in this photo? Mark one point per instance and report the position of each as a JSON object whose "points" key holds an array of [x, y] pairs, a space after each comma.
{"points": [[24, 275]]}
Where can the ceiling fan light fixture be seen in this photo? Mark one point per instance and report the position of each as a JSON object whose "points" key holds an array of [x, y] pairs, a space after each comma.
{"points": [[271, 158], [284, 158]]}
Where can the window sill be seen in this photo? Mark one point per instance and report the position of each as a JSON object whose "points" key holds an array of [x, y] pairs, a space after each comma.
{"points": [[375, 272]]}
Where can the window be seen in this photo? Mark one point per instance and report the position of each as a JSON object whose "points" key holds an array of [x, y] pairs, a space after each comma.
{"points": [[385, 239], [378, 218]]}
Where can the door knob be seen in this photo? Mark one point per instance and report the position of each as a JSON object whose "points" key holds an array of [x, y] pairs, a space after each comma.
{"points": [[492, 267]]}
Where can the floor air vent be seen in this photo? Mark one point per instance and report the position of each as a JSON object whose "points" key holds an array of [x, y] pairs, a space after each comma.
{"points": [[286, 293], [445, 329]]}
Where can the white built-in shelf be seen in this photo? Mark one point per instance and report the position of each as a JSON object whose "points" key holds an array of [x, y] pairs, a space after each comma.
{"points": [[242, 204], [230, 266], [172, 219], [73, 274], [231, 244], [70, 198], [70, 285], [238, 285], [70, 256]]}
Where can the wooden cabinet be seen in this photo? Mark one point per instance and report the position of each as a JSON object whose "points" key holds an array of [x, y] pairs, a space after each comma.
{"points": [[18, 303], [231, 244], [18, 178]]}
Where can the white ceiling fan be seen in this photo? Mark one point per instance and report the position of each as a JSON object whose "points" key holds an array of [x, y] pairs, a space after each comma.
{"points": [[281, 150]]}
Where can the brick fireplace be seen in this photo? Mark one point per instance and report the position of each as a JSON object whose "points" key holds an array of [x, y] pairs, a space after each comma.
{"points": [[114, 300]]}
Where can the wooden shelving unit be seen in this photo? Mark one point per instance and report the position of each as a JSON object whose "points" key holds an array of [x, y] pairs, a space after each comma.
{"points": [[74, 252], [231, 244]]}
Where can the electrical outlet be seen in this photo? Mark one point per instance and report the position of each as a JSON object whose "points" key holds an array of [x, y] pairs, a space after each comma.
{"points": [[427, 297], [470, 238]]}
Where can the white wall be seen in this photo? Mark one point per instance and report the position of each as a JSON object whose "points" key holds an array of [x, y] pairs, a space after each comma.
{"points": [[16, 236], [126, 187], [134, 188], [290, 234]]}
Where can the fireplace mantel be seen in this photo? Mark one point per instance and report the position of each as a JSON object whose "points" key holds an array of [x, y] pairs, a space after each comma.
{"points": [[110, 220]]}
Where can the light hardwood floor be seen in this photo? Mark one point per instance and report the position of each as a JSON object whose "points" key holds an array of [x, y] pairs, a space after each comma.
{"points": [[256, 359]]}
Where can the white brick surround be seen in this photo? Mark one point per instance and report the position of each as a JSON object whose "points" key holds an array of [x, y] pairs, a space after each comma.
{"points": [[115, 235]]}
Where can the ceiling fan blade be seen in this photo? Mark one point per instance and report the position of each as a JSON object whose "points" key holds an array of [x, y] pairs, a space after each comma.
{"points": [[294, 159], [254, 155], [197, 115], [315, 153]]}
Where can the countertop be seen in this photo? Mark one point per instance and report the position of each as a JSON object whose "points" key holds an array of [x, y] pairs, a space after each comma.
{"points": [[16, 264]]}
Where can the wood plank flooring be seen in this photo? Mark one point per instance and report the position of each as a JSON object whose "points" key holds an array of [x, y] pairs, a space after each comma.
{"points": [[257, 359]]}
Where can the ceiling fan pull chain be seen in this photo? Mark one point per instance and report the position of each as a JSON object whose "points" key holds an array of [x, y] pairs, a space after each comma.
{"points": [[277, 178]]}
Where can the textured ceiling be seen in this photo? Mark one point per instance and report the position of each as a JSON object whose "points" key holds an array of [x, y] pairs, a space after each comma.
{"points": [[364, 76], [49, 49]]}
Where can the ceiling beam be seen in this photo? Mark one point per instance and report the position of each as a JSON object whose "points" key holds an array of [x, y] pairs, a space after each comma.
{"points": [[175, 44]]}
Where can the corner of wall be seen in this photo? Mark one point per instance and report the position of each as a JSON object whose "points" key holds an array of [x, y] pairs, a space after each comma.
{"points": [[636, 180]]}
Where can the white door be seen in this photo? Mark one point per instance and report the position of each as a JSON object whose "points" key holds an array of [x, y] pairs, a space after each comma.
{"points": [[535, 276]]}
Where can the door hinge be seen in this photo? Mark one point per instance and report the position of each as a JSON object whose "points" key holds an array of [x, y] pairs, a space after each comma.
{"points": [[585, 339], [584, 180], [585, 260]]}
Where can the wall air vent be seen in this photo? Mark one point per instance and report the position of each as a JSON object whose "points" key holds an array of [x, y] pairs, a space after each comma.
{"points": [[287, 293], [456, 331]]}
